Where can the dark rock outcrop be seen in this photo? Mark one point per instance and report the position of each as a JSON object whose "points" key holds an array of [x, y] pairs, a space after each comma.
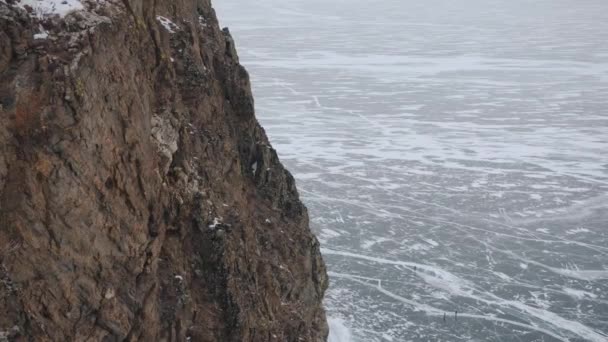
{"points": [[140, 200]]}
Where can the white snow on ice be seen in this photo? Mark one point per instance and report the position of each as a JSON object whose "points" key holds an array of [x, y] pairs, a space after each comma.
{"points": [[338, 332]]}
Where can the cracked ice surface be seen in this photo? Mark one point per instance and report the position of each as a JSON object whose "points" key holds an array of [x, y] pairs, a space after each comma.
{"points": [[453, 155]]}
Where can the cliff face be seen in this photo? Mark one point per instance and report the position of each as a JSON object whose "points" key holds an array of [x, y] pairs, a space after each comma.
{"points": [[139, 197]]}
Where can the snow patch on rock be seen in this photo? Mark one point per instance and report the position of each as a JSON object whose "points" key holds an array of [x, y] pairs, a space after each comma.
{"points": [[216, 222], [42, 35], [167, 24], [45, 8]]}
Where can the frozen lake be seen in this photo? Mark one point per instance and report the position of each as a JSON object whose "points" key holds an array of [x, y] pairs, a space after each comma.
{"points": [[453, 155]]}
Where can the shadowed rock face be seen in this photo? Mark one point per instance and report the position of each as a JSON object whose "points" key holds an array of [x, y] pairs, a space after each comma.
{"points": [[139, 197]]}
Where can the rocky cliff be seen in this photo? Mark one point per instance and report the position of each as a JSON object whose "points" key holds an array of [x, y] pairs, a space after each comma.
{"points": [[140, 200]]}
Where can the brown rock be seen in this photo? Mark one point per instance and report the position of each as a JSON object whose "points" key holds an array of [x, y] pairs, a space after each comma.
{"points": [[128, 206]]}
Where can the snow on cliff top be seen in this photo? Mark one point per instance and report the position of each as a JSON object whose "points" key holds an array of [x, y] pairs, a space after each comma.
{"points": [[44, 8]]}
